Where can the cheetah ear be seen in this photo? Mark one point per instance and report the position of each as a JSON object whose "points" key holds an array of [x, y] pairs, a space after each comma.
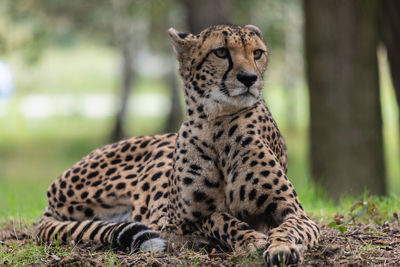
{"points": [[255, 29], [180, 40]]}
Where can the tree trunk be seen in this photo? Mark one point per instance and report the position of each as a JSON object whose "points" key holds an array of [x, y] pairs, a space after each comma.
{"points": [[205, 13], [175, 115], [123, 32], [342, 71], [125, 88]]}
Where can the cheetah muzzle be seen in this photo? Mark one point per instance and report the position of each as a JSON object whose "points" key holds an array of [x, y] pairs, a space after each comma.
{"points": [[222, 176]]}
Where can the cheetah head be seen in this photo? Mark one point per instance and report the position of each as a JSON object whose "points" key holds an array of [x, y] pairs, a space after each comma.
{"points": [[222, 68]]}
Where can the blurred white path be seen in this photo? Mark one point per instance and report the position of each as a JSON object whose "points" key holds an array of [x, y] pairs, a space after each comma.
{"points": [[86, 105]]}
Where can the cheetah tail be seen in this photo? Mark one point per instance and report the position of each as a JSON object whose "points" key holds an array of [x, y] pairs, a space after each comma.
{"points": [[133, 236]]}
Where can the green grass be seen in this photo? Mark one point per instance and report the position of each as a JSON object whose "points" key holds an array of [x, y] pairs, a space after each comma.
{"points": [[31, 253]]}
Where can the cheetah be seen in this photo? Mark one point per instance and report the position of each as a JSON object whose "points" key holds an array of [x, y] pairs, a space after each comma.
{"points": [[222, 176]]}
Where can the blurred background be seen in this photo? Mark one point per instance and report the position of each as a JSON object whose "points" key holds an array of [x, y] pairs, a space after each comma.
{"points": [[76, 75]]}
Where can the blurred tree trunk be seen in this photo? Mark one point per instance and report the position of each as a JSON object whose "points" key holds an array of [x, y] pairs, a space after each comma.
{"points": [[175, 115], [202, 14], [124, 38], [346, 125], [390, 27], [125, 88]]}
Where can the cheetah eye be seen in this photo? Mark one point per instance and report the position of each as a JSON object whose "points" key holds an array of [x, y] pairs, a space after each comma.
{"points": [[221, 52], [258, 54]]}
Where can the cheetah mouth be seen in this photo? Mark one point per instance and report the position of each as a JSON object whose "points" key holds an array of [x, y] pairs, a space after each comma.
{"points": [[243, 92], [247, 94]]}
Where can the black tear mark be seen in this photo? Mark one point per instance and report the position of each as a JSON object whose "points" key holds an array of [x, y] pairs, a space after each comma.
{"points": [[223, 86], [203, 60]]}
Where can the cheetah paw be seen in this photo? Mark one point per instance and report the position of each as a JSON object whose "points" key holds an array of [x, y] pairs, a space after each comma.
{"points": [[282, 255], [258, 244]]}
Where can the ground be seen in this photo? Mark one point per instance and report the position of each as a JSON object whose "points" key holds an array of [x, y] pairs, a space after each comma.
{"points": [[360, 244]]}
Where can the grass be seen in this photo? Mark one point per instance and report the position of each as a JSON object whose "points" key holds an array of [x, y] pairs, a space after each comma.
{"points": [[36, 151], [360, 244], [31, 253]]}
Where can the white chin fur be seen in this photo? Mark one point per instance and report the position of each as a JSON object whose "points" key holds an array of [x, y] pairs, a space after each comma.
{"points": [[154, 245], [225, 105], [255, 92], [238, 91]]}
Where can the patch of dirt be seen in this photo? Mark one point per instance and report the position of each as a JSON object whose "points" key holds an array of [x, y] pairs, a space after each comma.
{"points": [[360, 245]]}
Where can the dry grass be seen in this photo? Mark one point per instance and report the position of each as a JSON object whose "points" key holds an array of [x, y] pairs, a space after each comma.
{"points": [[360, 245]]}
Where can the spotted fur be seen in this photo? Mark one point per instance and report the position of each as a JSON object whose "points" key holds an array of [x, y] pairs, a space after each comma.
{"points": [[222, 176]]}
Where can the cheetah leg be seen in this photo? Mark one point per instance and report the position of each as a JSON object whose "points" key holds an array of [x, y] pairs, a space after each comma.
{"points": [[290, 231], [288, 241], [232, 233], [258, 192]]}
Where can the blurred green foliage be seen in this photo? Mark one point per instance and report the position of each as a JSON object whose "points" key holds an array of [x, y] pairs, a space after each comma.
{"points": [[22, 29], [59, 47]]}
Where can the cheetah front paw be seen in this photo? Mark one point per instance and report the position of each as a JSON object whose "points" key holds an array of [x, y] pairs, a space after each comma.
{"points": [[257, 244], [282, 255], [254, 241]]}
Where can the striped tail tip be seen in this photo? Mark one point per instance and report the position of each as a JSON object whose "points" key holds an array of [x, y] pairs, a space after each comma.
{"points": [[138, 237]]}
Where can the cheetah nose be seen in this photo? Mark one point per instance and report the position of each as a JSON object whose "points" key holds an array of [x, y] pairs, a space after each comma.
{"points": [[247, 79]]}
